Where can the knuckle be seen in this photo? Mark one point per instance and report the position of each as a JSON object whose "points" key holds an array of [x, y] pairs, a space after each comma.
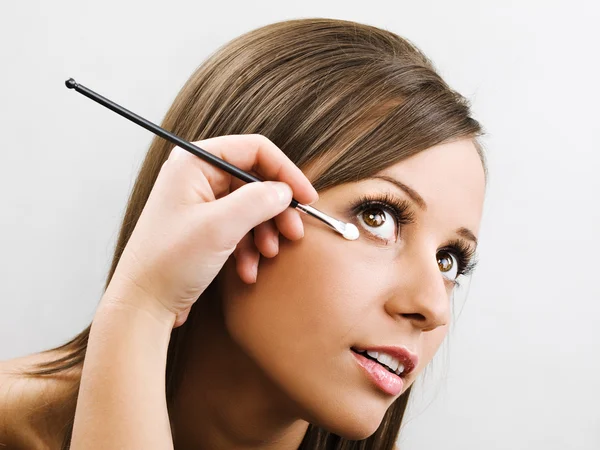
{"points": [[210, 145], [177, 153], [262, 139]]}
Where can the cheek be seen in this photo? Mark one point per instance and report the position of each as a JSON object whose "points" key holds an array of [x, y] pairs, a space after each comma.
{"points": [[312, 295], [308, 297], [298, 322], [318, 297]]}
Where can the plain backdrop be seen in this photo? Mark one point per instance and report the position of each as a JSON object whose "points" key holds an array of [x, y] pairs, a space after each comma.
{"points": [[520, 368]]}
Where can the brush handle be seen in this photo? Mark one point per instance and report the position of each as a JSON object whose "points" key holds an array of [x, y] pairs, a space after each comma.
{"points": [[194, 149]]}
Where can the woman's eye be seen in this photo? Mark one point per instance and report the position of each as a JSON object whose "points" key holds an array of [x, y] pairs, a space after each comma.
{"points": [[379, 222], [448, 265]]}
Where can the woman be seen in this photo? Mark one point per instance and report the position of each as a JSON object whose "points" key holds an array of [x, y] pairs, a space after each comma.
{"points": [[269, 330]]}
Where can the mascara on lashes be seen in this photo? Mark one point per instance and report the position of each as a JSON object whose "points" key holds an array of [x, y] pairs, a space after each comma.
{"points": [[403, 214], [399, 209]]}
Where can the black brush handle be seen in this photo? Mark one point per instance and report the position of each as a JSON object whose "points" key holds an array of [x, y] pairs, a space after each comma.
{"points": [[159, 131]]}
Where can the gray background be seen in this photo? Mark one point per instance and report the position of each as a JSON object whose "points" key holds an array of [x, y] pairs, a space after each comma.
{"points": [[520, 368]]}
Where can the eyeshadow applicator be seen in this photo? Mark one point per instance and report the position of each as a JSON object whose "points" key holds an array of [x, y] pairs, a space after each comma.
{"points": [[347, 230]]}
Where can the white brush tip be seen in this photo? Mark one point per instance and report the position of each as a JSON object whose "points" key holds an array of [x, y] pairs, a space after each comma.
{"points": [[351, 232]]}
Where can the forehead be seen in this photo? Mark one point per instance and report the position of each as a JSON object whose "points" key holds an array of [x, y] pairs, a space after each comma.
{"points": [[450, 179]]}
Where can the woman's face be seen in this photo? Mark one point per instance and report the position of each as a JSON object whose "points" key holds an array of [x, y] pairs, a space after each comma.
{"points": [[323, 297]]}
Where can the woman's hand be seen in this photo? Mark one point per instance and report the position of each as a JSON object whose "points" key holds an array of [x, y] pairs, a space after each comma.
{"points": [[197, 215]]}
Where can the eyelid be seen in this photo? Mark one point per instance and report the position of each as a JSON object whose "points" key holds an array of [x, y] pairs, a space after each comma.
{"points": [[401, 209], [464, 253], [403, 212]]}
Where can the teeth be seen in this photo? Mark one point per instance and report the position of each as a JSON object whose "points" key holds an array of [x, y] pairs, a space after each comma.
{"points": [[388, 361]]}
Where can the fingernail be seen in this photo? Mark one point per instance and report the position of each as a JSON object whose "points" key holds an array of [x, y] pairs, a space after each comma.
{"points": [[316, 196], [300, 225], [284, 192], [317, 193]]}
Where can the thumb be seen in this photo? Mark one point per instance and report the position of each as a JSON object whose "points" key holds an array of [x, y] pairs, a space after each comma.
{"points": [[250, 205]]}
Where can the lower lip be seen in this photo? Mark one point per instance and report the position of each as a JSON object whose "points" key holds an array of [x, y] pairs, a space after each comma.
{"points": [[382, 378]]}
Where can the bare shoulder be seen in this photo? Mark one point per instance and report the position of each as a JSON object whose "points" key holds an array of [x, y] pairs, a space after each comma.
{"points": [[14, 429], [27, 404]]}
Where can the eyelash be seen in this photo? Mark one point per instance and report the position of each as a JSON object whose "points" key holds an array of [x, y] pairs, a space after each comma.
{"points": [[402, 213], [400, 209], [465, 256]]}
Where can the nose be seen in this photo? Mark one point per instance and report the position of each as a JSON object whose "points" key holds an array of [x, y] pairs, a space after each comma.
{"points": [[420, 296]]}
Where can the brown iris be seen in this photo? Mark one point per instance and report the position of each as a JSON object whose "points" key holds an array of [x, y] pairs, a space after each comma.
{"points": [[374, 217], [444, 261]]}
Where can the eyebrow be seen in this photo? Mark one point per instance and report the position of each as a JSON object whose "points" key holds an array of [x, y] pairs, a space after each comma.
{"points": [[467, 234], [415, 197]]}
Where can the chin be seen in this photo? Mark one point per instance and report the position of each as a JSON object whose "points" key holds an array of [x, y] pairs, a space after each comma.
{"points": [[351, 420], [358, 433], [354, 430]]}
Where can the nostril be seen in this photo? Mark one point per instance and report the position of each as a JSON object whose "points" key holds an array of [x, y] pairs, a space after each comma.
{"points": [[415, 316]]}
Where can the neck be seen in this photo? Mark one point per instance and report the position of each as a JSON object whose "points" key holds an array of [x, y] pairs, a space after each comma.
{"points": [[223, 400]]}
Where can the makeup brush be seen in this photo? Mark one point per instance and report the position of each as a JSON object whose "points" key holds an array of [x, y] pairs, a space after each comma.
{"points": [[347, 230]]}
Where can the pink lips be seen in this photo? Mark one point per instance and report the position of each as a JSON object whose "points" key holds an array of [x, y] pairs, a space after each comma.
{"points": [[408, 359], [386, 381]]}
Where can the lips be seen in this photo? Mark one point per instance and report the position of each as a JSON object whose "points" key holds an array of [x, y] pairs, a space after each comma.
{"points": [[397, 360], [376, 362]]}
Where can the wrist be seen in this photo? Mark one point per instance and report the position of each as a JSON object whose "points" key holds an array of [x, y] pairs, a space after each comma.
{"points": [[128, 296]]}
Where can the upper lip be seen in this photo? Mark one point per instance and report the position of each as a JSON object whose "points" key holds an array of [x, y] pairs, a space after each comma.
{"points": [[407, 358]]}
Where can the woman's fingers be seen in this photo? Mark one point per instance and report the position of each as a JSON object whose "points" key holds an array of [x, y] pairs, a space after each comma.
{"points": [[240, 206], [266, 239], [266, 235], [246, 259], [243, 209], [290, 224], [249, 152]]}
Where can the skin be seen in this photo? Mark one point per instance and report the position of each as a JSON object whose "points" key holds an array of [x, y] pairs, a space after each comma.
{"points": [[33, 410], [275, 354]]}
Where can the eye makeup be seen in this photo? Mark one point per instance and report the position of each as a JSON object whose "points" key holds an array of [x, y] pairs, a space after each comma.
{"points": [[465, 257], [399, 209], [403, 214]]}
